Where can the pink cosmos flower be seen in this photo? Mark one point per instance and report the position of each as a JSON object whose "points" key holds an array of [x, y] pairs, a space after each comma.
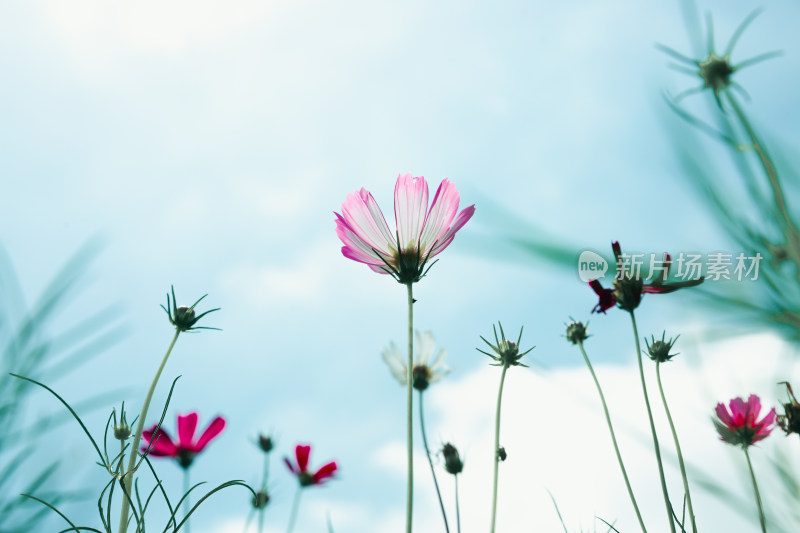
{"points": [[186, 448], [421, 232], [739, 425], [306, 478]]}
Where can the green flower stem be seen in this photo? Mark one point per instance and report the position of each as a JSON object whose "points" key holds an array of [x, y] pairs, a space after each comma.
{"points": [[497, 447], [652, 426], [127, 480], [458, 511], [249, 518], [186, 505], [430, 462], [761, 517], [295, 506], [677, 448], [792, 234], [613, 437], [264, 488], [410, 406]]}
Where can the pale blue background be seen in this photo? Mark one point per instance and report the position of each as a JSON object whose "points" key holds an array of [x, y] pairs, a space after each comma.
{"points": [[209, 144]]}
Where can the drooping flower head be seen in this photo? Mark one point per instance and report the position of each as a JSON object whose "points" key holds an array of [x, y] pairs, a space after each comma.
{"points": [[426, 370], [184, 451], [629, 288], [300, 468], [737, 424], [789, 421], [421, 233]]}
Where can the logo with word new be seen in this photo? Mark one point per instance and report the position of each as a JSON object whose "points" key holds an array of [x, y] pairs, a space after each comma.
{"points": [[591, 266]]}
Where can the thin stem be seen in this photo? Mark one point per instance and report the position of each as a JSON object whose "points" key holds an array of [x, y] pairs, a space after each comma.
{"points": [[430, 462], [677, 448], [652, 426], [458, 511], [127, 480], [792, 233], [264, 488], [497, 447], [295, 506], [410, 406], [249, 518], [613, 437], [761, 517], [186, 506]]}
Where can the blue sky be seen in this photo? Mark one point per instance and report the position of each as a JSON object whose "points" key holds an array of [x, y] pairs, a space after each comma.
{"points": [[209, 147]]}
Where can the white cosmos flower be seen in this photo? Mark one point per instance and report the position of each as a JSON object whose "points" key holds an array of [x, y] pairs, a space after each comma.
{"points": [[426, 370]]}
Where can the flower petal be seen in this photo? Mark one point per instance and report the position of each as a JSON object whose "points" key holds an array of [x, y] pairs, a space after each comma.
{"points": [[410, 209], [302, 452], [290, 466], [391, 356], [325, 472], [187, 424], [355, 247], [443, 209], [214, 428], [163, 447], [425, 347], [445, 239], [365, 219]]}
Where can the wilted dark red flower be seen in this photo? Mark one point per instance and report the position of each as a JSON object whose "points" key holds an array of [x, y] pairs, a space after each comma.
{"points": [[300, 469], [628, 290], [789, 421], [186, 447], [738, 425]]}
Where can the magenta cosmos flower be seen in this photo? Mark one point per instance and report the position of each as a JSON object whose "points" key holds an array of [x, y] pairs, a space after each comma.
{"points": [[737, 424], [306, 478], [421, 232], [186, 447], [627, 292]]}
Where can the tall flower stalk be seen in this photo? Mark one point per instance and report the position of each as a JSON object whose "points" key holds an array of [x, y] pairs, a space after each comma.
{"points": [[576, 334], [506, 354], [658, 351], [654, 435], [409, 411], [184, 319], [421, 234]]}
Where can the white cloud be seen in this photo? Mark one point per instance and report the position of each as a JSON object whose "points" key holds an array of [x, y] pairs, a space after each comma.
{"points": [[557, 439]]}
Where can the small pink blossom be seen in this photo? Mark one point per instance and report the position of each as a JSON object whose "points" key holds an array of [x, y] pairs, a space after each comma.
{"points": [[421, 232], [737, 424], [300, 469], [186, 447]]}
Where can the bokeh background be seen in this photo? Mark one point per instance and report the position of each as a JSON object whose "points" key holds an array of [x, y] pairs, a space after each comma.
{"points": [[207, 145]]}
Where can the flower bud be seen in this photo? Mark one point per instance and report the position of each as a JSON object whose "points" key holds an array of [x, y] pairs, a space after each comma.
{"points": [[261, 499], [576, 332], [265, 443], [659, 350], [122, 431], [452, 461]]}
